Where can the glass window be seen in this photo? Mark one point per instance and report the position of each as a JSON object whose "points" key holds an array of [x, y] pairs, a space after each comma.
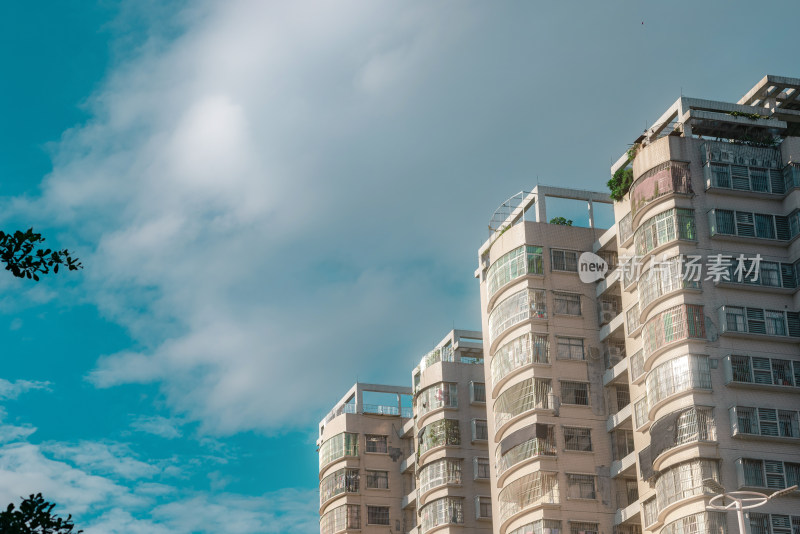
{"points": [[575, 393], [477, 391], [376, 443], [566, 303], [519, 352], [481, 468], [512, 265], [377, 515], [564, 260], [483, 507], [582, 528], [378, 479], [570, 348], [480, 430], [577, 439]]}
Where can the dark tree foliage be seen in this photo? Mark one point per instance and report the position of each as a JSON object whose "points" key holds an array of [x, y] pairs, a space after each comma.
{"points": [[561, 220], [17, 252], [35, 516]]}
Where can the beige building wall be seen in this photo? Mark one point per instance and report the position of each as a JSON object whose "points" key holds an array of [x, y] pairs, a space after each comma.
{"points": [[451, 437], [548, 415]]}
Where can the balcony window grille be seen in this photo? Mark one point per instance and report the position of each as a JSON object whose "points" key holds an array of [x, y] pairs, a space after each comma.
{"points": [[530, 394], [772, 474], [576, 527], [650, 511], [481, 466], [377, 515], [341, 518], [748, 224], [663, 228], [477, 392], [575, 393], [519, 352], [339, 446], [622, 443], [696, 424], [614, 352], [377, 443], [622, 394], [674, 324], [664, 179], [512, 265], [734, 319], [775, 323], [676, 375], [533, 489], [566, 303], [577, 439], [378, 479], [519, 307], [684, 480], [483, 507], [699, 523], [637, 365], [625, 227], [564, 260], [663, 278], [757, 370], [439, 433], [542, 526], [758, 321], [640, 415], [338, 482], [445, 511], [765, 422], [545, 446], [480, 431], [439, 473], [570, 348], [441, 395]]}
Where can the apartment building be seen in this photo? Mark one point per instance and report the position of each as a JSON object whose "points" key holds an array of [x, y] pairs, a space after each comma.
{"points": [[402, 459], [699, 382], [615, 403], [547, 407], [713, 371]]}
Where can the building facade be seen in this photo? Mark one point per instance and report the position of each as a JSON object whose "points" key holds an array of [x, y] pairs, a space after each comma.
{"points": [[619, 405]]}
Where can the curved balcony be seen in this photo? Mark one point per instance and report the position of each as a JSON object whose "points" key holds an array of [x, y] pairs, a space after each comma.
{"points": [[338, 483], [684, 373], [512, 265], [662, 279], [514, 452], [664, 228], [668, 178], [339, 446], [515, 309], [530, 491], [678, 431], [676, 324], [440, 395], [441, 512], [538, 527], [698, 523], [528, 395], [517, 354], [443, 472], [683, 481], [441, 433], [345, 517]]}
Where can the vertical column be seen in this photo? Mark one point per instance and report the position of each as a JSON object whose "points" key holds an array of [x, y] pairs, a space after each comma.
{"points": [[591, 214], [541, 209]]}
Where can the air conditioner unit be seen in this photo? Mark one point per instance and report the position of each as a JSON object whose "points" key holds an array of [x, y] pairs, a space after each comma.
{"points": [[606, 316]]}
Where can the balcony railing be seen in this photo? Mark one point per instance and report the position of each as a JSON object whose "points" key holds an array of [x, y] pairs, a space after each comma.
{"points": [[671, 177], [534, 489], [529, 449], [445, 511], [679, 374], [519, 352], [675, 324], [530, 394], [768, 422], [519, 307]]}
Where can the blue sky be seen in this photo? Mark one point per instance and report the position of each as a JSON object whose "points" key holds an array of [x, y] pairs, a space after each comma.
{"points": [[271, 199]]}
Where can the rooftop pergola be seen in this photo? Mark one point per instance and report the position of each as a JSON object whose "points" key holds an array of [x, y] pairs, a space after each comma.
{"points": [[770, 109]]}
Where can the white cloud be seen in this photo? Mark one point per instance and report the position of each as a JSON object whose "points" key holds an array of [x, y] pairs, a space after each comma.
{"points": [[253, 191], [88, 490], [164, 427], [12, 390]]}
